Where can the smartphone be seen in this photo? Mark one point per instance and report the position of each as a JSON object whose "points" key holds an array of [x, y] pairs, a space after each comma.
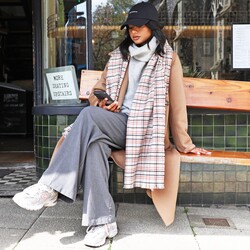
{"points": [[101, 94]]}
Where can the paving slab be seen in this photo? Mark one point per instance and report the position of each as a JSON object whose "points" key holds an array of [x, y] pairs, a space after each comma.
{"points": [[58, 227], [222, 239], [136, 218], [146, 241], [233, 235], [14, 217], [10, 237], [64, 210], [141, 228], [55, 233], [239, 217]]}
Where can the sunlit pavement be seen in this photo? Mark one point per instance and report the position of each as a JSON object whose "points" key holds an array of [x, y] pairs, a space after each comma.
{"points": [[140, 228]]}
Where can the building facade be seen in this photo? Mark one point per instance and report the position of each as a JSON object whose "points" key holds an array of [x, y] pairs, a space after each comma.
{"points": [[80, 34]]}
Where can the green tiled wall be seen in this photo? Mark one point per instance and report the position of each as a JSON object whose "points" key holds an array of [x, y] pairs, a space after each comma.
{"points": [[48, 129], [220, 131], [200, 184], [206, 184]]}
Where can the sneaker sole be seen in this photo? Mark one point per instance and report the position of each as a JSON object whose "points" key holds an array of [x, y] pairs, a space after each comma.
{"points": [[50, 203], [113, 235], [101, 243]]}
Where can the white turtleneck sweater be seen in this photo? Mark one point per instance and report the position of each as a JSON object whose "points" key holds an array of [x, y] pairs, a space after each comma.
{"points": [[139, 56]]}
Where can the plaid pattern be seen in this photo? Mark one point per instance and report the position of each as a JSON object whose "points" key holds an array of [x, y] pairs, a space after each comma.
{"points": [[145, 150]]}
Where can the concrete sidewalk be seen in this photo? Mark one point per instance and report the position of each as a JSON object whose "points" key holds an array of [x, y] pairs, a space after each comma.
{"points": [[140, 228]]}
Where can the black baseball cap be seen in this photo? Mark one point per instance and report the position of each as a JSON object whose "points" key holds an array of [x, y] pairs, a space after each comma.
{"points": [[141, 14]]}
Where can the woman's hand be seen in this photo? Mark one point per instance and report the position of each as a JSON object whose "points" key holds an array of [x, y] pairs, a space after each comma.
{"points": [[200, 151], [113, 107]]}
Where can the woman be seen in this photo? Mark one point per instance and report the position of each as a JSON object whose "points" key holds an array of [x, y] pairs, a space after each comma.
{"points": [[144, 77]]}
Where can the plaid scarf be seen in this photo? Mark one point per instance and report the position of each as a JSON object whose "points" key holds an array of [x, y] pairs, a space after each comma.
{"points": [[145, 149]]}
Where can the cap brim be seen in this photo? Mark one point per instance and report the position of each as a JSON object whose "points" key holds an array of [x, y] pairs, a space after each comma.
{"points": [[135, 22]]}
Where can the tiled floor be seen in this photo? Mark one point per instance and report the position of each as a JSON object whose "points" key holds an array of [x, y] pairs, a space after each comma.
{"points": [[17, 181], [17, 171], [19, 177]]}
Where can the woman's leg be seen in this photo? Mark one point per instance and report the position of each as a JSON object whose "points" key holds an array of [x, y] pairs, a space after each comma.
{"points": [[93, 124], [59, 143], [98, 204], [82, 159]]}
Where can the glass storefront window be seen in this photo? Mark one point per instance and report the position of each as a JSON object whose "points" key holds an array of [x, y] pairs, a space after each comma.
{"points": [[64, 36], [202, 36], [199, 31]]}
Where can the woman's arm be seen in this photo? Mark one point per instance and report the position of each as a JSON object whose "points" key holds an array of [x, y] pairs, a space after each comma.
{"points": [[178, 111], [101, 84], [177, 108]]}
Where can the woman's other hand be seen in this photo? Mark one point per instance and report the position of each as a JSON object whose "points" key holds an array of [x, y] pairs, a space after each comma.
{"points": [[113, 107], [200, 151]]}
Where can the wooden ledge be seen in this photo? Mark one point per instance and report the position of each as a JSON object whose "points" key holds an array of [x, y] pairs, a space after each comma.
{"points": [[217, 94], [219, 157]]}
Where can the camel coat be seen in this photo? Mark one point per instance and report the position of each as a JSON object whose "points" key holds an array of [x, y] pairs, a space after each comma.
{"points": [[176, 123]]}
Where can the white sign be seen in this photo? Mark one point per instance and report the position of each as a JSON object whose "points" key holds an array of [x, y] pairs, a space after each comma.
{"points": [[62, 83], [241, 46]]}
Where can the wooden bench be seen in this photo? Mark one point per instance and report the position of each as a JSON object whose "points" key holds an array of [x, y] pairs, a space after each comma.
{"points": [[201, 94], [218, 95]]}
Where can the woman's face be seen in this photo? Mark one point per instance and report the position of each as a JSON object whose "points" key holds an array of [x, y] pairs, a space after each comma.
{"points": [[139, 35]]}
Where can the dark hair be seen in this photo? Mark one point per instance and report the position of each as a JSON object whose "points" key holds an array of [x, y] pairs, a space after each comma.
{"points": [[156, 32]]}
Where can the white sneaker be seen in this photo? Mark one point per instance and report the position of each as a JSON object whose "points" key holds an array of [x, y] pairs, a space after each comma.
{"points": [[96, 235], [35, 197]]}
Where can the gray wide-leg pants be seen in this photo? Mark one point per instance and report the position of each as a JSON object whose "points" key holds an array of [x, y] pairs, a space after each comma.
{"points": [[82, 159]]}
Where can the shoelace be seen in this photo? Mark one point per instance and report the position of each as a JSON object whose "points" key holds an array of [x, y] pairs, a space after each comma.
{"points": [[92, 229], [34, 191]]}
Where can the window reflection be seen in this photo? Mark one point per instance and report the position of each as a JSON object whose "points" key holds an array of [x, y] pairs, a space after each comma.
{"points": [[198, 30], [64, 35]]}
